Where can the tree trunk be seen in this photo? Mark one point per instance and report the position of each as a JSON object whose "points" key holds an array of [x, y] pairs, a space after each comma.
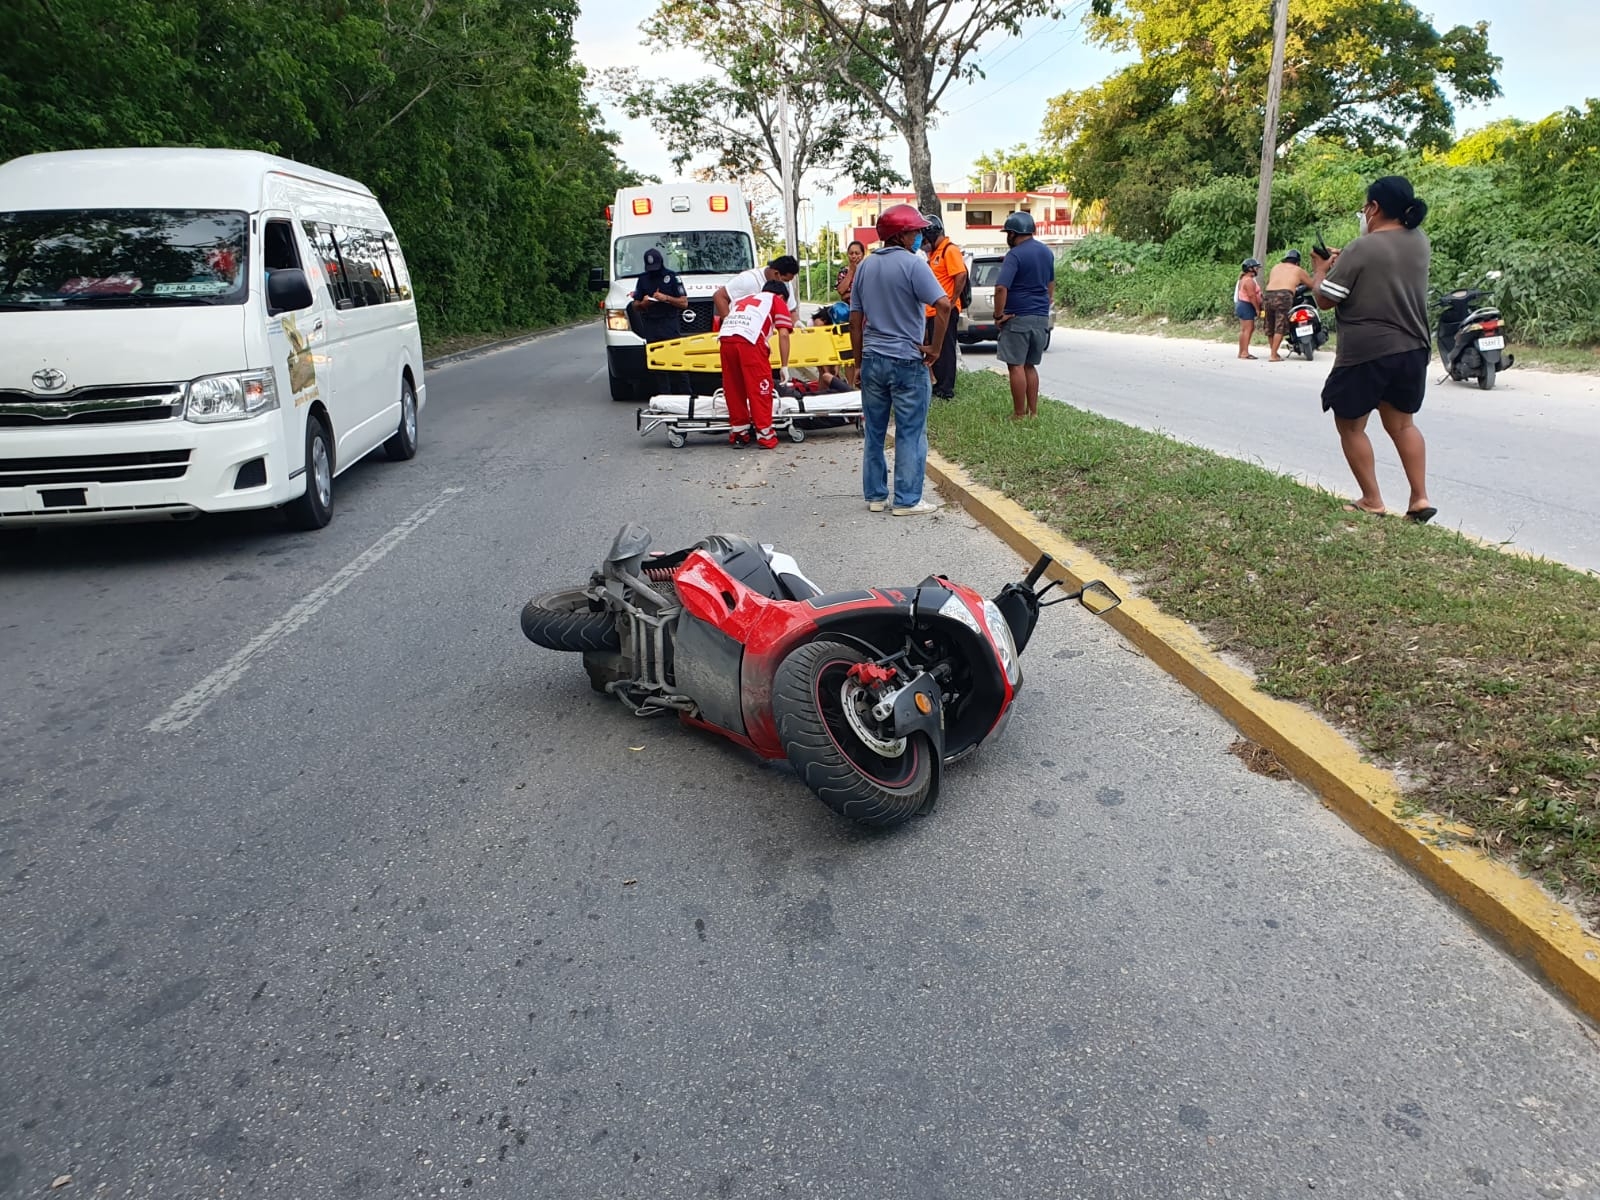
{"points": [[921, 166]]}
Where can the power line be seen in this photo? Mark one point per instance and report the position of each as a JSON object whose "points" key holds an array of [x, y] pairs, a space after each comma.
{"points": [[1013, 81]]}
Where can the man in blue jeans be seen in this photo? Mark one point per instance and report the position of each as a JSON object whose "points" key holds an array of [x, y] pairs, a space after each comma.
{"points": [[886, 329]]}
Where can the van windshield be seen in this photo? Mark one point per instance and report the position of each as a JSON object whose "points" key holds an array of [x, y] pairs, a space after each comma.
{"points": [[122, 258], [706, 252]]}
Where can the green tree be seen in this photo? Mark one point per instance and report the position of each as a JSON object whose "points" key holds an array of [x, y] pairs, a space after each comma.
{"points": [[1031, 168], [1366, 72], [903, 55], [730, 120]]}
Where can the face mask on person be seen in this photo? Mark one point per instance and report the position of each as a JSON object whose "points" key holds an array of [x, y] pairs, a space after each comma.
{"points": [[916, 243], [1361, 218]]}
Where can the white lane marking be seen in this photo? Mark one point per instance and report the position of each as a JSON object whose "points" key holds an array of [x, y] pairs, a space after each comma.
{"points": [[198, 698], [599, 371]]}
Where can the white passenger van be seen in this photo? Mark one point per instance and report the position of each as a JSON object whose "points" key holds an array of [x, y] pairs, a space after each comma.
{"points": [[704, 233], [187, 331]]}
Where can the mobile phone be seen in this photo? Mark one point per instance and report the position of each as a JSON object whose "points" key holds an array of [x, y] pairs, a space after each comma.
{"points": [[1318, 249]]}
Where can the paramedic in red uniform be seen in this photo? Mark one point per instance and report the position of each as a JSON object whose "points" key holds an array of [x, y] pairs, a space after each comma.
{"points": [[747, 363]]}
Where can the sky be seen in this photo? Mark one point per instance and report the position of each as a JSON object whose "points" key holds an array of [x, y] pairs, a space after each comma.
{"points": [[1548, 48]]}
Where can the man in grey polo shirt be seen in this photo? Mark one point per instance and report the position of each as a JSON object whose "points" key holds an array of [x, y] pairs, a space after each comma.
{"points": [[1022, 311], [886, 330]]}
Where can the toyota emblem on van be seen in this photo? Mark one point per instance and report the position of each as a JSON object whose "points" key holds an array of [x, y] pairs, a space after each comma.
{"points": [[48, 379]]}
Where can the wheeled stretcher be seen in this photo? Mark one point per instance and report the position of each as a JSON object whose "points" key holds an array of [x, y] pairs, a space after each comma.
{"points": [[683, 415], [792, 412]]}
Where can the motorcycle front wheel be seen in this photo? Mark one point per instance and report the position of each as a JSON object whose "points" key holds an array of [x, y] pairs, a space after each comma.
{"points": [[883, 784]]}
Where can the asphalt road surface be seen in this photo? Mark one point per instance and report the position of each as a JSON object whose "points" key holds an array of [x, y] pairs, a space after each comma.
{"points": [[1515, 465], [320, 881]]}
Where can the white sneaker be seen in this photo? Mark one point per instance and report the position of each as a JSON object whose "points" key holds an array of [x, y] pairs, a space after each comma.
{"points": [[920, 508], [877, 505]]}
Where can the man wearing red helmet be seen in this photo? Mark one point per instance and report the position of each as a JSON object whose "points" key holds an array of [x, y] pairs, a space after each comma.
{"points": [[887, 328]]}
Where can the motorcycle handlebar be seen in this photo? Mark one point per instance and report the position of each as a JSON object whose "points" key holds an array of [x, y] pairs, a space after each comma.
{"points": [[1038, 571]]}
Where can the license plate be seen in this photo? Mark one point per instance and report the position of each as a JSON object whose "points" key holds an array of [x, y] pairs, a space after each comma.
{"points": [[1492, 343], [1304, 331]]}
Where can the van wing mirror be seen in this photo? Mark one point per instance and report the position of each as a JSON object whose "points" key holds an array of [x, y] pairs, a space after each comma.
{"points": [[288, 290], [597, 279]]}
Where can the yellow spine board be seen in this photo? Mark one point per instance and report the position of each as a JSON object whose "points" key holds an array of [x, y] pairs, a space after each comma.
{"points": [[811, 346]]}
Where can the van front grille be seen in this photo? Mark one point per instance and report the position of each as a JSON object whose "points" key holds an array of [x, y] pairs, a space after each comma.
{"points": [[92, 405], [93, 468]]}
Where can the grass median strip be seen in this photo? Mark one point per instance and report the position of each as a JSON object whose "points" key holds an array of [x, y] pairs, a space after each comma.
{"points": [[1474, 674]]}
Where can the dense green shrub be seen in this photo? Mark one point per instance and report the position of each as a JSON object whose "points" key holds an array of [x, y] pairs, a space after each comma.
{"points": [[466, 117], [1519, 199]]}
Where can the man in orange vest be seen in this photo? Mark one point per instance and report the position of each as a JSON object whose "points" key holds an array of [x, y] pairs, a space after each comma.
{"points": [[950, 269]]}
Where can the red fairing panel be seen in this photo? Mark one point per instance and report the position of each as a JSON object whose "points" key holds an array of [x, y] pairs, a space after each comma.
{"points": [[767, 629]]}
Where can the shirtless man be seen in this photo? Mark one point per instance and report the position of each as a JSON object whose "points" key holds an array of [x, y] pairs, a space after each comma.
{"points": [[1279, 299]]}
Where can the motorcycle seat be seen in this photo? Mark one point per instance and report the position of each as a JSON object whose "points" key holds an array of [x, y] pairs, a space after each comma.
{"points": [[773, 574]]}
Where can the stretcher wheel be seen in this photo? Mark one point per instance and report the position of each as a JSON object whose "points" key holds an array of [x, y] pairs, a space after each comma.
{"points": [[676, 440], [796, 434]]}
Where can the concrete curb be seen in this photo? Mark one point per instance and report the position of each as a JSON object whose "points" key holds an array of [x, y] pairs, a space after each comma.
{"points": [[445, 360], [1540, 932]]}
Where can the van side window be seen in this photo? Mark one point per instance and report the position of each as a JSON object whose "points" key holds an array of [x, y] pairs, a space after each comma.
{"points": [[331, 266], [366, 265], [278, 251], [397, 265]]}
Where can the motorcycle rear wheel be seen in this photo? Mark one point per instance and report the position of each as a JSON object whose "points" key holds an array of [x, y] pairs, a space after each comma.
{"points": [[847, 775], [1486, 377], [564, 621]]}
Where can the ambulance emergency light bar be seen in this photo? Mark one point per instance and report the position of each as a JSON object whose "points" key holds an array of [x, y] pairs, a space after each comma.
{"points": [[642, 206]]}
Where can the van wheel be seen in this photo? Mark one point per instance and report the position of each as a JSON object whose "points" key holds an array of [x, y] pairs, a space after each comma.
{"points": [[403, 444], [629, 391], [315, 508]]}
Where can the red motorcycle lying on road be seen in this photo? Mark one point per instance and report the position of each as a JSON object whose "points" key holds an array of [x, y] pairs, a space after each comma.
{"points": [[867, 692]]}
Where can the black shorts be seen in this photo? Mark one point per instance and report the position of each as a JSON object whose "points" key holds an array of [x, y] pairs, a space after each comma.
{"points": [[1398, 380]]}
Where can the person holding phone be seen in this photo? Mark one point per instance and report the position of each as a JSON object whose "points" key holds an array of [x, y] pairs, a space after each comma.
{"points": [[1379, 284]]}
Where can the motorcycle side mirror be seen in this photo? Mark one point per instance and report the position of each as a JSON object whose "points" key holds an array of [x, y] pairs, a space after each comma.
{"points": [[1098, 598]]}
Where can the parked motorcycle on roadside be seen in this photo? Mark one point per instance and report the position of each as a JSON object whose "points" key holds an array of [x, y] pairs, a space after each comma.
{"points": [[868, 692], [1306, 331], [1472, 336]]}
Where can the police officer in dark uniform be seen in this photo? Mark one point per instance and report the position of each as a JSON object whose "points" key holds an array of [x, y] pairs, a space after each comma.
{"points": [[656, 314]]}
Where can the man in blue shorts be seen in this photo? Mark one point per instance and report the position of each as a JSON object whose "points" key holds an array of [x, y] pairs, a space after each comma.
{"points": [[1022, 311]]}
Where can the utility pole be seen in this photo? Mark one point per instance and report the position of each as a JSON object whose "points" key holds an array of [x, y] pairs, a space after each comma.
{"points": [[1269, 134], [785, 174]]}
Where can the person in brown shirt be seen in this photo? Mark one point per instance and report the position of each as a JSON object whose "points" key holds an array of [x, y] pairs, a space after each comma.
{"points": [[1282, 281], [1379, 284]]}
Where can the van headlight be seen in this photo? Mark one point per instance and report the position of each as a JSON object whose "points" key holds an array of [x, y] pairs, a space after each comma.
{"points": [[231, 397], [617, 319], [1000, 631]]}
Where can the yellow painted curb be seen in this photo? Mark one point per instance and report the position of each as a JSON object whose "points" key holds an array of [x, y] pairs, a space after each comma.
{"points": [[1528, 922]]}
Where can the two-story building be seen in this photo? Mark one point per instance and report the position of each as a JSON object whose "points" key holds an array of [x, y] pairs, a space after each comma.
{"points": [[975, 220]]}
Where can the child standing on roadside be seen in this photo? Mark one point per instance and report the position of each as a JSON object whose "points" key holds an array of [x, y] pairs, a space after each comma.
{"points": [[747, 363]]}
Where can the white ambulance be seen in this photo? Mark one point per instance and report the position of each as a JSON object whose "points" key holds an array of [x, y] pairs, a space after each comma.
{"points": [[187, 331], [704, 233]]}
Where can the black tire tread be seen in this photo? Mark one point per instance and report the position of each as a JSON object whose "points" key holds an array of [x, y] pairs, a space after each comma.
{"points": [[397, 448], [835, 780], [557, 622]]}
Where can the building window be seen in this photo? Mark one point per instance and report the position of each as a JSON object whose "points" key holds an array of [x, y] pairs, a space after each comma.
{"points": [[952, 206], [979, 216]]}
